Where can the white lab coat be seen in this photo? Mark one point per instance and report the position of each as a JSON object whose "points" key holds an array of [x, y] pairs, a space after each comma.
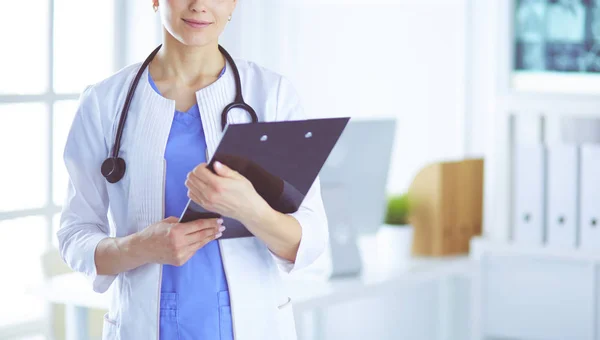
{"points": [[95, 209]]}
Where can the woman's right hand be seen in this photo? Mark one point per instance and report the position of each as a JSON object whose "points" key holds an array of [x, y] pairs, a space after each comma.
{"points": [[170, 242]]}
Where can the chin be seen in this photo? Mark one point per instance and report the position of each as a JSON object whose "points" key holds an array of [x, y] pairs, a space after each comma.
{"points": [[193, 38], [197, 40]]}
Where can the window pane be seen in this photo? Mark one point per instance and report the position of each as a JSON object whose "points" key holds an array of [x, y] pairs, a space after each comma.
{"points": [[24, 66], [83, 43], [64, 111], [24, 142], [55, 227], [22, 243]]}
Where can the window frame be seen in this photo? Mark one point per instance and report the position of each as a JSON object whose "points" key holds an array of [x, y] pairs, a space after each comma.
{"points": [[48, 99]]}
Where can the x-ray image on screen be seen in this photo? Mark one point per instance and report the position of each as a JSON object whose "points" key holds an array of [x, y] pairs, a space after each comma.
{"points": [[557, 35]]}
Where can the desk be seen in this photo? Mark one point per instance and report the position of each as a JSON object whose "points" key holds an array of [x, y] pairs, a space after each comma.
{"points": [[310, 294]]}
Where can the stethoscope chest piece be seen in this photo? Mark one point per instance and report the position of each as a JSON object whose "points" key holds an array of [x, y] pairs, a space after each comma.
{"points": [[113, 169]]}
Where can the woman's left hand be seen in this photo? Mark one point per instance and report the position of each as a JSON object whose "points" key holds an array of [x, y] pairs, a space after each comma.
{"points": [[227, 192]]}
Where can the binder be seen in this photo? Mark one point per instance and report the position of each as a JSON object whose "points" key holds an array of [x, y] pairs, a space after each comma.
{"points": [[589, 203], [281, 159], [528, 194], [562, 195]]}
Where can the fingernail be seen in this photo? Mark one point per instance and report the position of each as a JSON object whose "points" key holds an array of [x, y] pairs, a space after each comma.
{"points": [[222, 229], [218, 164], [220, 221], [218, 235]]}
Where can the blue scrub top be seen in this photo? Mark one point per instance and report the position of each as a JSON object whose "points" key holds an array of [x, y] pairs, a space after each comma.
{"points": [[194, 298]]}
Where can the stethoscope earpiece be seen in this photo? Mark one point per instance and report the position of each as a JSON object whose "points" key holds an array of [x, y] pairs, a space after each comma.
{"points": [[113, 169]]}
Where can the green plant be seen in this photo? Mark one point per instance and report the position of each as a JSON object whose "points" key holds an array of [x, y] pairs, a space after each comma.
{"points": [[398, 210]]}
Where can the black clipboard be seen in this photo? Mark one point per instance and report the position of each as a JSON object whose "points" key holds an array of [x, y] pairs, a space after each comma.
{"points": [[282, 160]]}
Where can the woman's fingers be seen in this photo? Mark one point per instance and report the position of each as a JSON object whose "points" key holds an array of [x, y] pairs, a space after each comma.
{"points": [[202, 174], [171, 219], [225, 171], [195, 182], [201, 200], [203, 191], [194, 247], [205, 234], [200, 224], [186, 238]]}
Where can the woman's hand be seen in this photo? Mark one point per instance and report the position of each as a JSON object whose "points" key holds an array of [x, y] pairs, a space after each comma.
{"points": [[226, 193], [169, 242]]}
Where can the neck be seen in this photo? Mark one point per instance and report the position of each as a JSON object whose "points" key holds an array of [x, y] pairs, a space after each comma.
{"points": [[187, 65]]}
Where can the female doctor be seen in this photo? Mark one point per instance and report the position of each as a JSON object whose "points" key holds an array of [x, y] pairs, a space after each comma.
{"points": [[173, 280]]}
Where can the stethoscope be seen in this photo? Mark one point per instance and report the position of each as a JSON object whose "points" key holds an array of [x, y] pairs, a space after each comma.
{"points": [[113, 168]]}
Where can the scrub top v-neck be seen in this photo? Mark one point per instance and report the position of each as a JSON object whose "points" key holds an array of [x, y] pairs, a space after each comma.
{"points": [[194, 298]]}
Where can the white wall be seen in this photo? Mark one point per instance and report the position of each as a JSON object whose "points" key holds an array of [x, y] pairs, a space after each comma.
{"points": [[405, 59], [482, 99], [365, 58], [143, 30]]}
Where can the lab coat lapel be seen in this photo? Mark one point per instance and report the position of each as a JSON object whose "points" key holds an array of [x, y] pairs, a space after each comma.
{"points": [[243, 258], [150, 119], [147, 131], [211, 101]]}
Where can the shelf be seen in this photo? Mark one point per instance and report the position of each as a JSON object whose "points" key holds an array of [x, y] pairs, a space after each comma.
{"points": [[557, 105], [480, 246], [556, 83]]}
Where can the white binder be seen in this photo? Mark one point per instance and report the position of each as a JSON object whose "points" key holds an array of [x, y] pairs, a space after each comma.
{"points": [[562, 195], [589, 203], [528, 194]]}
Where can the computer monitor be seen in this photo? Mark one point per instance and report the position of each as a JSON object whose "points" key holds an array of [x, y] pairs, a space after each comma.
{"points": [[354, 189]]}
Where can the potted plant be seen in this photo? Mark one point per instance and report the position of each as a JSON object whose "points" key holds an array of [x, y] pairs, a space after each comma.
{"points": [[394, 238], [398, 210]]}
